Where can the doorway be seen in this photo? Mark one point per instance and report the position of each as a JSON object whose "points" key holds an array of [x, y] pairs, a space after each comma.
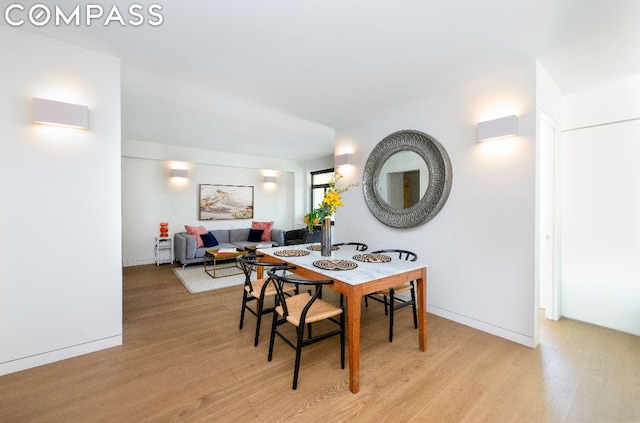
{"points": [[403, 188], [547, 205]]}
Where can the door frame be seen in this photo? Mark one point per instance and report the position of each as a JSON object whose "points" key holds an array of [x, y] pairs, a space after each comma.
{"points": [[548, 243]]}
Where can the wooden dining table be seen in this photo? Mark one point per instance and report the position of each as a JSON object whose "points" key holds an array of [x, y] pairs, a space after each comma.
{"points": [[355, 282]]}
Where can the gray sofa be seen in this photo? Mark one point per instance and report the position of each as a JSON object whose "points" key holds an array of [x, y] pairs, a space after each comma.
{"points": [[186, 250]]}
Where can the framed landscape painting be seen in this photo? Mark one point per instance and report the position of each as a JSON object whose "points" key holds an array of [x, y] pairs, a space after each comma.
{"points": [[224, 202]]}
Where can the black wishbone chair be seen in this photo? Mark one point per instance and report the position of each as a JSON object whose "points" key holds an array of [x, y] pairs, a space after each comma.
{"points": [[259, 289], [394, 302], [302, 310], [359, 246]]}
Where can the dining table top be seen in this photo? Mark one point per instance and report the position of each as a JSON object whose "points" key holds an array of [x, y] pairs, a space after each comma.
{"points": [[354, 272]]}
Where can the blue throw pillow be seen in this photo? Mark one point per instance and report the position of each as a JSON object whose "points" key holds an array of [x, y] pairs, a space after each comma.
{"points": [[209, 240], [255, 235]]}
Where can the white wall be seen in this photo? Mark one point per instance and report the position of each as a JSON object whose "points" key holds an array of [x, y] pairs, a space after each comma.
{"points": [[480, 248], [60, 273], [150, 196], [600, 278]]}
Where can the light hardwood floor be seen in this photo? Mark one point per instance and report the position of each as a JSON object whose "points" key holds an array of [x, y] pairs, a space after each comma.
{"points": [[184, 359]]}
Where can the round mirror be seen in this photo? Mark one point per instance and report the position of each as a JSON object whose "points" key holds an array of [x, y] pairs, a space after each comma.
{"points": [[407, 179]]}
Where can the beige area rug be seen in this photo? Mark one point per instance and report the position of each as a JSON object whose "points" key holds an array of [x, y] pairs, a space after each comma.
{"points": [[196, 280]]}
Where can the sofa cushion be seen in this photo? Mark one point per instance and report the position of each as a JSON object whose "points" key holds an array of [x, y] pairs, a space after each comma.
{"points": [[222, 235], [238, 234], [196, 231], [255, 235], [266, 227], [209, 240]]}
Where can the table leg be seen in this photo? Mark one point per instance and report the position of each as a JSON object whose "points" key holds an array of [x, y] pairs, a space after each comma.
{"points": [[213, 264], [422, 309], [354, 303], [204, 260]]}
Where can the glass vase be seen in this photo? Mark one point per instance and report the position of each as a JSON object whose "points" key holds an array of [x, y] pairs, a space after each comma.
{"points": [[325, 241]]}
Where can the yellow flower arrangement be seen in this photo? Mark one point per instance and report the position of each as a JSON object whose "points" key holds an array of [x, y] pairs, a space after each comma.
{"points": [[331, 201]]}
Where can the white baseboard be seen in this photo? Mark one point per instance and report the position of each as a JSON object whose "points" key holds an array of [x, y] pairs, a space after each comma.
{"points": [[519, 338], [138, 262], [36, 360]]}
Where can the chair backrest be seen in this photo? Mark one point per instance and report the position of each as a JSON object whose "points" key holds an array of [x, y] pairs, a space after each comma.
{"points": [[402, 254], [359, 245], [281, 279], [250, 262]]}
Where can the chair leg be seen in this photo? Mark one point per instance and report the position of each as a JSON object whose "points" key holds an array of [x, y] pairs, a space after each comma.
{"points": [[298, 355], [259, 320], [244, 305], [391, 309], [273, 335], [413, 299]]}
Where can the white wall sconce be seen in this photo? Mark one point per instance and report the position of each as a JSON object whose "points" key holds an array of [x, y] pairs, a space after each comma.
{"points": [[343, 159], [270, 179], [57, 113], [179, 173], [498, 128]]}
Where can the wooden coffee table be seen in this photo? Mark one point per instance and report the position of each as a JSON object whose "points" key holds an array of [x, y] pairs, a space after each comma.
{"points": [[214, 256]]}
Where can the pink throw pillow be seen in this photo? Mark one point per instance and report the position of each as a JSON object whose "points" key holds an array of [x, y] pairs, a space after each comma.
{"points": [[266, 227], [196, 231]]}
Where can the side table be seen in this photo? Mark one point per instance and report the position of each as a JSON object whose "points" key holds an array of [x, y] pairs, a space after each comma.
{"points": [[164, 250]]}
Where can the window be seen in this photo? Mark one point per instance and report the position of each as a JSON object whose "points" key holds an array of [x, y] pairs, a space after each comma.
{"points": [[319, 185]]}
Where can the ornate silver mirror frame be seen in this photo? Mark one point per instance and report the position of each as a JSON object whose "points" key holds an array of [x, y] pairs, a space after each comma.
{"points": [[437, 192]]}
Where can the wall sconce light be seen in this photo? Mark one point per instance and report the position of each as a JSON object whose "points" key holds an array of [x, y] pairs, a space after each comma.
{"points": [[179, 173], [270, 179], [344, 159], [498, 128], [57, 113]]}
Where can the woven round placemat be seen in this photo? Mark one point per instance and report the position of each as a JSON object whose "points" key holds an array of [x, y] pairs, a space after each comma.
{"points": [[319, 247], [335, 264], [291, 253], [372, 258]]}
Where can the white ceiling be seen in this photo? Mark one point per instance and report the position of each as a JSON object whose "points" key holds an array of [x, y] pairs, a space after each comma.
{"points": [[276, 78]]}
